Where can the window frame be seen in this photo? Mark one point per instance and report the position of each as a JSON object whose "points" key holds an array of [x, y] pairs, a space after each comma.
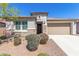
{"points": [[21, 27], [26, 24], [17, 25]]}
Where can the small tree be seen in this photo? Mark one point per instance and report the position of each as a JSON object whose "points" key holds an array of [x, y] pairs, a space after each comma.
{"points": [[8, 13]]}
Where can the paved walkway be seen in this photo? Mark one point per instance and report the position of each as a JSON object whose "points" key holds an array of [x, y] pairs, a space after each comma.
{"points": [[68, 43]]}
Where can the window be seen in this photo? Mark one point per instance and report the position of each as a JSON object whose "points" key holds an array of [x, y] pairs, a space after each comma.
{"points": [[24, 25], [17, 23], [2, 25], [21, 25]]}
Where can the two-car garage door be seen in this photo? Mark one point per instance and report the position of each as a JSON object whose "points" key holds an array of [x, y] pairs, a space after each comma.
{"points": [[58, 28]]}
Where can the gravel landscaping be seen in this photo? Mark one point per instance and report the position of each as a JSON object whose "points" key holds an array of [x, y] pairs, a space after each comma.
{"points": [[50, 48]]}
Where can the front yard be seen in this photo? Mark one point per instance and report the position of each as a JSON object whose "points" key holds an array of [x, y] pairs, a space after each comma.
{"points": [[50, 48]]}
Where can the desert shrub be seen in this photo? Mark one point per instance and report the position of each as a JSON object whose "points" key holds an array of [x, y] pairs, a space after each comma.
{"points": [[43, 54], [32, 42], [3, 37], [17, 40], [4, 54], [43, 38], [26, 37], [0, 41]]}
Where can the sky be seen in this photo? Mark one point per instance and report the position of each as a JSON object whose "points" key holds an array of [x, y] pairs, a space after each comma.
{"points": [[55, 10]]}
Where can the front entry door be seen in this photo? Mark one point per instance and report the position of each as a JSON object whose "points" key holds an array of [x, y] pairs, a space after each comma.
{"points": [[39, 28]]}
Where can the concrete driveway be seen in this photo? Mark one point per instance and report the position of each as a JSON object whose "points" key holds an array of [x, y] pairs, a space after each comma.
{"points": [[68, 43]]}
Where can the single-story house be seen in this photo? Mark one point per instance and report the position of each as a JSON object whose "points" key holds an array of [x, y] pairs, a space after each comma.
{"points": [[39, 22]]}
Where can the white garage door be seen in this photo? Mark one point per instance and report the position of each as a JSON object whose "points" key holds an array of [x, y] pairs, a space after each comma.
{"points": [[58, 28]]}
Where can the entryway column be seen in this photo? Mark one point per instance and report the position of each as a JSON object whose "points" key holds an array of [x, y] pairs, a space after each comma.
{"points": [[73, 25], [45, 27]]}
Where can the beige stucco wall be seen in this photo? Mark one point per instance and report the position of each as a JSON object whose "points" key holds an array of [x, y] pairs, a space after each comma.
{"points": [[29, 31], [31, 24], [44, 28]]}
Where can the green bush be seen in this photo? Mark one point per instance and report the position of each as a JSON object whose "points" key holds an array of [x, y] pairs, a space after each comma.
{"points": [[0, 41], [4, 54], [3, 37], [17, 40], [26, 37], [32, 42], [43, 38], [43, 54]]}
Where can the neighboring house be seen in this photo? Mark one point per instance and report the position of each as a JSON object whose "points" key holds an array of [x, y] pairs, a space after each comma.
{"points": [[39, 22], [2, 26]]}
